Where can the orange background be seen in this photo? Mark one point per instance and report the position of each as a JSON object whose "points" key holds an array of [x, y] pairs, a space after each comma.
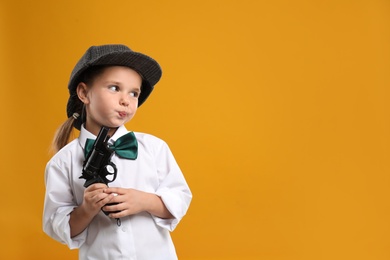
{"points": [[277, 112]]}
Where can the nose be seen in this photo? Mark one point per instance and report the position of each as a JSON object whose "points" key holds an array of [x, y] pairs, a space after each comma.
{"points": [[124, 101]]}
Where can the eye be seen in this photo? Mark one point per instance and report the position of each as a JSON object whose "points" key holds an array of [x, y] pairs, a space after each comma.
{"points": [[135, 94], [113, 88]]}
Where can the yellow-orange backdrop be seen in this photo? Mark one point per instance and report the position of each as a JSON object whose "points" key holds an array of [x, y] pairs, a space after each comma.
{"points": [[276, 111]]}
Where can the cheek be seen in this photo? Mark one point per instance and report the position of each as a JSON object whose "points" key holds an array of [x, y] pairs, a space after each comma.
{"points": [[91, 98], [133, 103], [134, 107], [102, 100]]}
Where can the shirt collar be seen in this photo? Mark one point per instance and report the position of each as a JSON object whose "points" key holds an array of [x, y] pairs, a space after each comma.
{"points": [[85, 134]]}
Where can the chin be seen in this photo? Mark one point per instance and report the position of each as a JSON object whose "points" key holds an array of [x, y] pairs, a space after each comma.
{"points": [[114, 126], [117, 124]]}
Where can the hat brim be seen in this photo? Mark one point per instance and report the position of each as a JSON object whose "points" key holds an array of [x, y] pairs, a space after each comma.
{"points": [[147, 67]]}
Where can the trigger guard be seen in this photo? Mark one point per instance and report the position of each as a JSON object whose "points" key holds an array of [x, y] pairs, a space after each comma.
{"points": [[110, 170]]}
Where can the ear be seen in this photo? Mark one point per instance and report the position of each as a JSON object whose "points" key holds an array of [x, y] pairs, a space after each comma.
{"points": [[82, 91]]}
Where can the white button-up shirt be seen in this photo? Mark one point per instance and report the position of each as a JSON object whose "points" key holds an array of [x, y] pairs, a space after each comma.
{"points": [[141, 236]]}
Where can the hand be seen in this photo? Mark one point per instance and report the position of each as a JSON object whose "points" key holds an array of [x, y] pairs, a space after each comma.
{"points": [[95, 198], [126, 202]]}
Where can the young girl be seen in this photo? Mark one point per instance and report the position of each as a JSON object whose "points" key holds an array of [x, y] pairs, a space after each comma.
{"points": [[131, 217]]}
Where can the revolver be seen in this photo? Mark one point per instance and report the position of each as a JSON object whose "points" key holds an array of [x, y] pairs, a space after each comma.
{"points": [[97, 167]]}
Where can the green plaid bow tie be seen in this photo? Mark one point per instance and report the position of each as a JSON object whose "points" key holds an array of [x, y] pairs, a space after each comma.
{"points": [[125, 147]]}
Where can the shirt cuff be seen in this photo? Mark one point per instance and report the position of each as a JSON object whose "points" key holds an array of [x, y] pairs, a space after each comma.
{"points": [[176, 203], [61, 228]]}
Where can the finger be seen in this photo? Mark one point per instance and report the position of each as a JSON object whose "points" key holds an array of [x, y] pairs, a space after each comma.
{"points": [[113, 190], [96, 188], [116, 215], [105, 200], [97, 195], [119, 214], [112, 208]]}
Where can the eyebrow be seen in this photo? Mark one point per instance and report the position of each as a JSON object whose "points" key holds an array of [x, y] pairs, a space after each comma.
{"points": [[112, 82], [120, 83]]}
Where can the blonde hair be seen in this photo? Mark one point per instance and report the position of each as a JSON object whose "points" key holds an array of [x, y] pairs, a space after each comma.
{"points": [[63, 134]]}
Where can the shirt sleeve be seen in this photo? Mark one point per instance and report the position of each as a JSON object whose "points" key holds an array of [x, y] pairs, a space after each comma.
{"points": [[58, 205], [173, 188]]}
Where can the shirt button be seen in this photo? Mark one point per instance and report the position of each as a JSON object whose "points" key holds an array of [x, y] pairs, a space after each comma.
{"points": [[124, 229]]}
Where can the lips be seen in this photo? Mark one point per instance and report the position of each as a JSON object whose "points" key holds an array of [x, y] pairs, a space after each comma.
{"points": [[122, 114]]}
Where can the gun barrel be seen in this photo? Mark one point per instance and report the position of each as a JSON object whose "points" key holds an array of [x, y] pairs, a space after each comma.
{"points": [[97, 160]]}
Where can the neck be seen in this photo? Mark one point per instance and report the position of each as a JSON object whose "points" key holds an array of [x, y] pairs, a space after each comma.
{"points": [[95, 129]]}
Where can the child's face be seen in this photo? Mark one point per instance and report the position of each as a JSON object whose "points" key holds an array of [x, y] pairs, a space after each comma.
{"points": [[112, 99]]}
